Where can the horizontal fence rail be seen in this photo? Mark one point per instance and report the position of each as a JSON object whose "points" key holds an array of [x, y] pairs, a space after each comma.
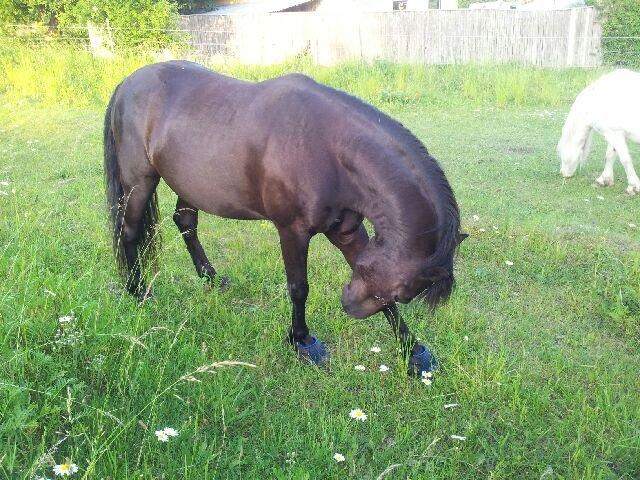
{"points": [[559, 38]]}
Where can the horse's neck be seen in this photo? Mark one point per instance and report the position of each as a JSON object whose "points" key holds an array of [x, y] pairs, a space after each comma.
{"points": [[400, 213]]}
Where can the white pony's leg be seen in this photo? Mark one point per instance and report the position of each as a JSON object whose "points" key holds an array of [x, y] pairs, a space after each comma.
{"points": [[619, 143], [606, 179]]}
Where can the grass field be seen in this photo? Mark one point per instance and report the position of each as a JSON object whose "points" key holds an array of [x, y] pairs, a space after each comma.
{"points": [[541, 357]]}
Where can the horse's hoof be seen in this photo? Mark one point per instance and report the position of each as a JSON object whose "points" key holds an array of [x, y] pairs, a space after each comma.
{"points": [[144, 297], [217, 282], [604, 181], [633, 189], [422, 362], [315, 352]]}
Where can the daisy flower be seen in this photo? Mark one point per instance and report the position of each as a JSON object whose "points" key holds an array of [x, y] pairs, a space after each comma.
{"points": [[360, 368], [632, 225], [66, 319], [65, 469], [170, 432], [482, 230], [375, 349], [476, 217], [358, 414], [458, 437], [427, 378], [384, 368], [509, 263], [338, 457], [162, 436]]}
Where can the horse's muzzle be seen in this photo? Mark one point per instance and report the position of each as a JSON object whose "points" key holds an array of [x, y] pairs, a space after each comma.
{"points": [[358, 308]]}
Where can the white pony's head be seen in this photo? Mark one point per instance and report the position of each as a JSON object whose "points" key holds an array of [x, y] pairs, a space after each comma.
{"points": [[573, 147]]}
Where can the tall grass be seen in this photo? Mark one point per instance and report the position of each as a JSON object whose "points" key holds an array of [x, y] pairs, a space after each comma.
{"points": [[69, 75]]}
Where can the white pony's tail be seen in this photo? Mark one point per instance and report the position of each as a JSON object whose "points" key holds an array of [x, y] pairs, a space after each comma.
{"points": [[575, 143]]}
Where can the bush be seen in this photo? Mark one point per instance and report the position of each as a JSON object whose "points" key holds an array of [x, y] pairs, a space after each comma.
{"points": [[135, 22]]}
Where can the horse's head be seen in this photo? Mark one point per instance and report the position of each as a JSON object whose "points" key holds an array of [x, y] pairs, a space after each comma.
{"points": [[572, 151], [382, 276]]}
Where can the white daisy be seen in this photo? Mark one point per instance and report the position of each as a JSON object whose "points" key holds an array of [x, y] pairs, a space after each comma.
{"points": [[170, 432], [509, 263], [458, 437], [338, 457], [450, 405], [632, 225], [482, 230], [162, 436], [375, 349], [65, 469], [476, 217], [358, 414], [66, 319], [384, 368], [360, 368]]}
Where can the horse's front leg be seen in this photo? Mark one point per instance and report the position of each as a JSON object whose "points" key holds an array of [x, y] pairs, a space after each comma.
{"points": [[351, 242], [421, 360], [294, 243]]}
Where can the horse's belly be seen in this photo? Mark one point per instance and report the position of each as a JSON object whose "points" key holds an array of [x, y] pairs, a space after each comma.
{"points": [[215, 191]]}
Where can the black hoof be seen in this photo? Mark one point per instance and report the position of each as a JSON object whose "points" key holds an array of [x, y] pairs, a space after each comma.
{"points": [[213, 281], [422, 362], [315, 352]]}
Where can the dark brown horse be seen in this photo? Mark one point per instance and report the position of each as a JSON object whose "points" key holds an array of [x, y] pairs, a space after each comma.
{"points": [[309, 158]]}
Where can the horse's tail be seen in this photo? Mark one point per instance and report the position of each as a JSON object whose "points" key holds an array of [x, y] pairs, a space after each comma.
{"points": [[115, 190], [117, 200], [575, 143]]}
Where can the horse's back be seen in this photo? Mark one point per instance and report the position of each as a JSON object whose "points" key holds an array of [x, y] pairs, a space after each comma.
{"points": [[612, 103]]}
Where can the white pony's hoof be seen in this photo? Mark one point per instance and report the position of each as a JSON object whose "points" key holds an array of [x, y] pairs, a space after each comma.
{"points": [[604, 181], [633, 189]]}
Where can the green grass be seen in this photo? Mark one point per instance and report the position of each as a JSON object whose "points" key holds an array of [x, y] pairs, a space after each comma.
{"points": [[52, 75], [542, 357]]}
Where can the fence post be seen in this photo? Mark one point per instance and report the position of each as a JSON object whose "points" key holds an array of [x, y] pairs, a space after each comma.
{"points": [[571, 40]]}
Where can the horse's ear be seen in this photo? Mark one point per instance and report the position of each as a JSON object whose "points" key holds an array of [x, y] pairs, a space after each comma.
{"points": [[461, 237]]}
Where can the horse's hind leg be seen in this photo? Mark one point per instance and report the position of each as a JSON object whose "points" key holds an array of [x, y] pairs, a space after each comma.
{"points": [[620, 144], [186, 219], [606, 179], [137, 201]]}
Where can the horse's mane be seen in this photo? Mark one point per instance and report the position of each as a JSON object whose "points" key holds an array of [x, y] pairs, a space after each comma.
{"points": [[435, 186]]}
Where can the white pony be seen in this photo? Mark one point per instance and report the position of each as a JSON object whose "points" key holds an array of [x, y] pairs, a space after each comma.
{"points": [[611, 107]]}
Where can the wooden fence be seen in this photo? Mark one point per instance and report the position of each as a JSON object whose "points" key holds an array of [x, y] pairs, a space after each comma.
{"points": [[555, 38]]}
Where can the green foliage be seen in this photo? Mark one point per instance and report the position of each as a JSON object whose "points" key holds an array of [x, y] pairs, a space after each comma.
{"points": [[621, 19], [135, 22], [189, 7]]}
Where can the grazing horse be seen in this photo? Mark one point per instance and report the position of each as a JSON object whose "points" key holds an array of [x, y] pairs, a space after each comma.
{"points": [[308, 158], [611, 107]]}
